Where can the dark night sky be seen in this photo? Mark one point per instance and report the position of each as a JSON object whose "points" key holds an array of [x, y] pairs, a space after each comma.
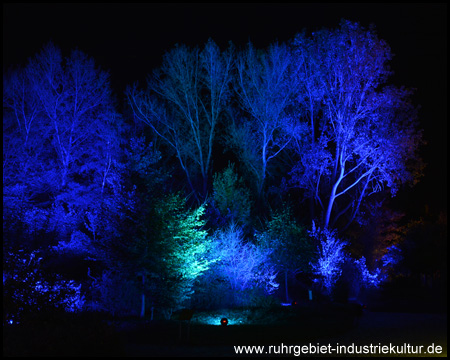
{"points": [[130, 39]]}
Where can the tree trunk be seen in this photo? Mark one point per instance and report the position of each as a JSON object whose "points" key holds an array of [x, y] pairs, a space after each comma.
{"points": [[143, 296], [332, 198], [143, 305], [286, 285]]}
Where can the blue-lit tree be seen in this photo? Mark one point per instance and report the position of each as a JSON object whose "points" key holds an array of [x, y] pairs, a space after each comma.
{"points": [[245, 267], [23, 148], [22, 111], [330, 258], [77, 109], [339, 274], [63, 186], [366, 139], [61, 113], [29, 291], [265, 88], [120, 277], [184, 102]]}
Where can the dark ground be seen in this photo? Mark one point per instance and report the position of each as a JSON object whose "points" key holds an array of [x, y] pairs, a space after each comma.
{"points": [[374, 328], [401, 318], [306, 325], [162, 338]]}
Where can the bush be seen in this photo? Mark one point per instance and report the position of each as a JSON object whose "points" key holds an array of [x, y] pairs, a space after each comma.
{"points": [[28, 291], [113, 293], [330, 259], [244, 267]]}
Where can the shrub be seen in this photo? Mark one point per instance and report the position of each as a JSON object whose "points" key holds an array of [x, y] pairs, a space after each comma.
{"points": [[245, 267], [28, 291], [330, 259]]}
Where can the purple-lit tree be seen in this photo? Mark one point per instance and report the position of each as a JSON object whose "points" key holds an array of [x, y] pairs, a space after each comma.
{"points": [[183, 104], [368, 138]]}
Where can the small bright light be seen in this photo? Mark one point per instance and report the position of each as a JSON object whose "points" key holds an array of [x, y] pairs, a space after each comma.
{"points": [[224, 322]]}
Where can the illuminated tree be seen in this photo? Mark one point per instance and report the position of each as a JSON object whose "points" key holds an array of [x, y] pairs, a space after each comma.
{"points": [[76, 101], [309, 94], [368, 136], [265, 88], [122, 285], [183, 104], [166, 254], [231, 201], [331, 256], [61, 142], [24, 137], [24, 108], [291, 247], [244, 266], [29, 290], [64, 111], [308, 106], [63, 185]]}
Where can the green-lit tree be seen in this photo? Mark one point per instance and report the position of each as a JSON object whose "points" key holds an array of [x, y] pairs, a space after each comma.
{"points": [[168, 253], [292, 248], [230, 198]]}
